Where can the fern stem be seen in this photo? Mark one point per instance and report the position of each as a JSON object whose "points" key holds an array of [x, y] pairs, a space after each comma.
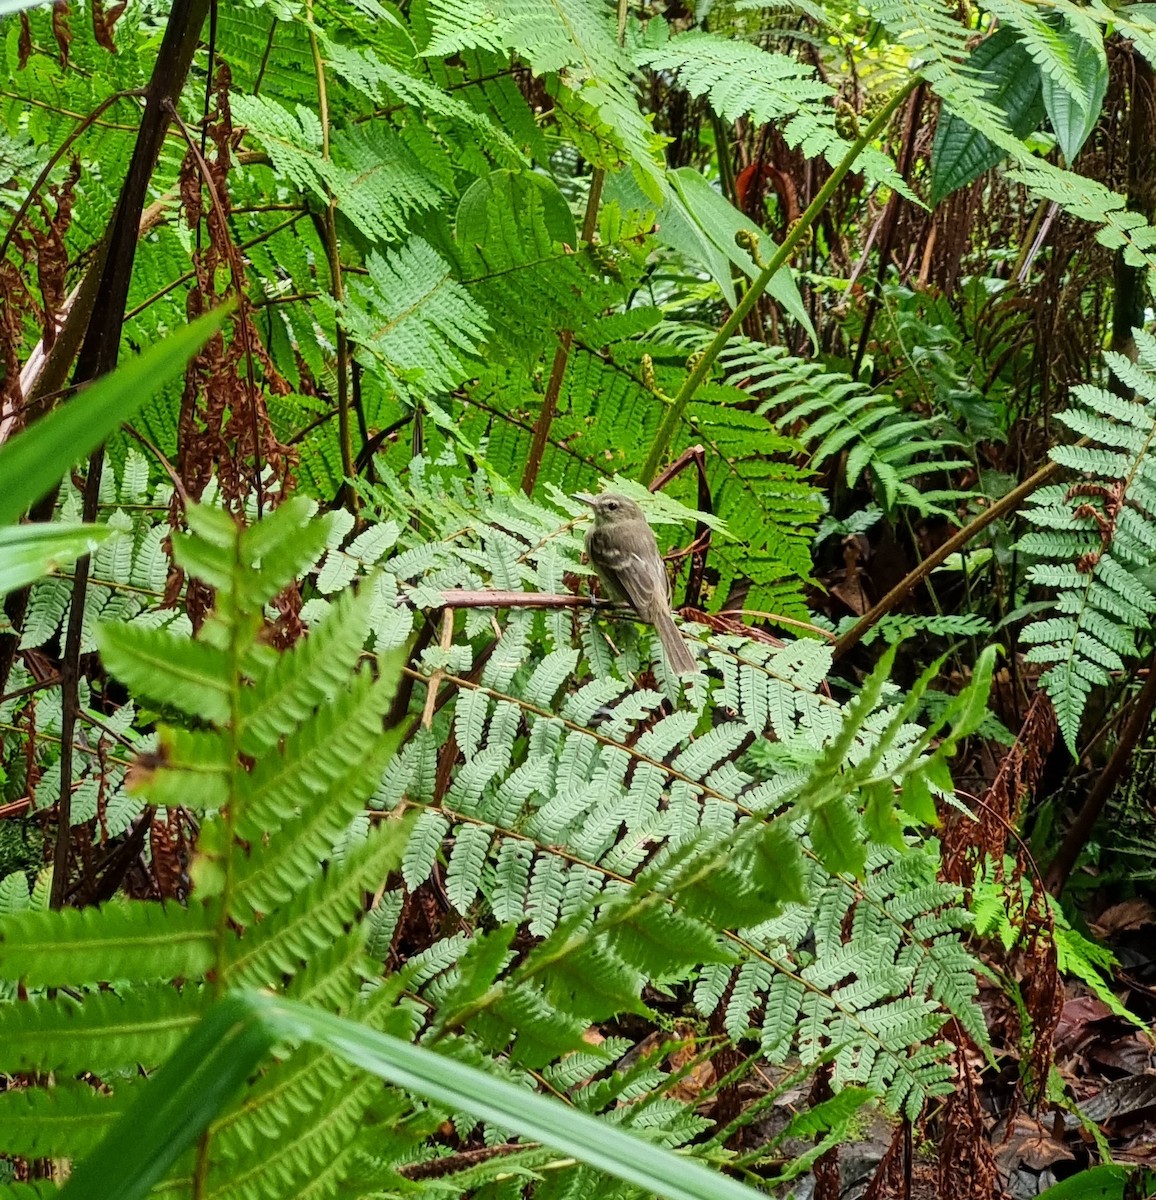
{"points": [[909, 582], [236, 648], [566, 336], [333, 254], [561, 353], [726, 168], [698, 374]]}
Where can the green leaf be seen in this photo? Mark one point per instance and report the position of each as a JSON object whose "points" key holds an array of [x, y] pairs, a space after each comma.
{"points": [[827, 1123], [140, 1025], [837, 837], [34, 460], [879, 814], [131, 939], [1105, 1182], [205, 1072], [62, 1121], [962, 153], [720, 221], [193, 676], [916, 800], [665, 942], [1074, 114], [28, 552]]}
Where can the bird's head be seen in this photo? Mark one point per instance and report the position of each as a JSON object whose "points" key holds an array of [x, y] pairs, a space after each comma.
{"points": [[610, 508]]}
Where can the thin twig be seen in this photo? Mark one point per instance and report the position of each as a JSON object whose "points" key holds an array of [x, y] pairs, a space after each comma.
{"points": [[431, 695], [54, 158], [166, 465], [1081, 828], [493, 598], [176, 283]]}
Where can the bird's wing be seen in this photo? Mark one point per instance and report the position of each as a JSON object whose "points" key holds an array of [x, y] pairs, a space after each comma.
{"points": [[640, 575]]}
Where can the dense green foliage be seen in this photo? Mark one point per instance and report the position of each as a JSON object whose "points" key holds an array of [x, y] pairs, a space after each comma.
{"points": [[327, 712]]}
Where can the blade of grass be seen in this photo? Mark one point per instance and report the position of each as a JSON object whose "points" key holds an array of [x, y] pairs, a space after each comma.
{"points": [[38, 457]]}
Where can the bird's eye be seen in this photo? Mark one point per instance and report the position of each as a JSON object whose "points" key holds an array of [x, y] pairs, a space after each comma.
{"points": [[612, 505]]}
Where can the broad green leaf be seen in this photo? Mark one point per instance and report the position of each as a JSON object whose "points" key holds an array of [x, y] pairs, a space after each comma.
{"points": [[699, 223], [720, 221], [1105, 1182], [1073, 116], [36, 458], [961, 153]]}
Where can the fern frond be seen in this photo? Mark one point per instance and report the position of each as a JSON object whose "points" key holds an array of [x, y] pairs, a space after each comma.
{"points": [[415, 324], [122, 940], [1100, 537], [577, 42], [59, 1121], [740, 79], [102, 1032]]}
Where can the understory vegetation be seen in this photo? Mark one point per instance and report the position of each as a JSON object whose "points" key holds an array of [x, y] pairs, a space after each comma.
{"points": [[353, 842]]}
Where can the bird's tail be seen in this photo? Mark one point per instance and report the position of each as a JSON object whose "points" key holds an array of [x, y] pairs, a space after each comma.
{"points": [[678, 656]]}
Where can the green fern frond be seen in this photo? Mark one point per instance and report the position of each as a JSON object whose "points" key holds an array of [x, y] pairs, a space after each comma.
{"points": [[839, 415], [577, 43], [276, 909], [740, 79], [1100, 537], [414, 323], [104, 1031], [123, 940], [55, 1122]]}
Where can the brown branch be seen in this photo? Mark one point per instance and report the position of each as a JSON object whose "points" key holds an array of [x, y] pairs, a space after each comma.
{"points": [[99, 352], [494, 598], [561, 354], [549, 407], [957, 541]]}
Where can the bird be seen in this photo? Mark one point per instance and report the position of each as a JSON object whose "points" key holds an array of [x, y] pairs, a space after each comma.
{"points": [[623, 550]]}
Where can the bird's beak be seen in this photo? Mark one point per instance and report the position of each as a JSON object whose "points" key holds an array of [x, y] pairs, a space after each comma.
{"points": [[585, 497]]}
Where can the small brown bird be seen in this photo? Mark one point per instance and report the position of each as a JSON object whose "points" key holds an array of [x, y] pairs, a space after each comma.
{"points": [[622, 548]]}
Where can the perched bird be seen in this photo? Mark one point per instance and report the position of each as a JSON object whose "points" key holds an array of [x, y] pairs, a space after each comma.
{"points": [[622, 548]]}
